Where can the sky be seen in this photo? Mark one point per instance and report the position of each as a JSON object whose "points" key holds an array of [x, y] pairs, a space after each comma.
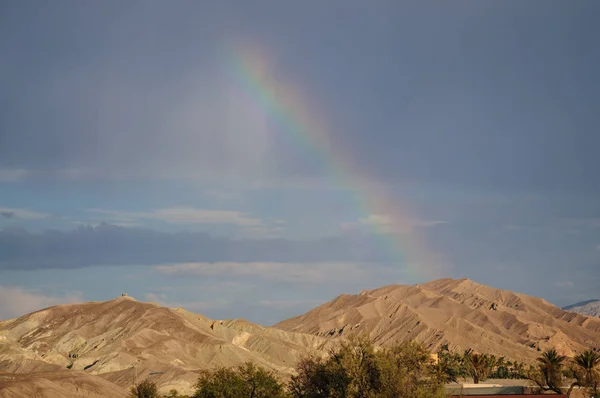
{"points": [[256, 159]]}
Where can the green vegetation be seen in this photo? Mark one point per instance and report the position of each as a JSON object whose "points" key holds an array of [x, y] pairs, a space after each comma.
{"points": [[357, 369], [145, 389], [549, 373], [587, 370], [245, 381], [554, 372], [148, 389], [480, 367]]}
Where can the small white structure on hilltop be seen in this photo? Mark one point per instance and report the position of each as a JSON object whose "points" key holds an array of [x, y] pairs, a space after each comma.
{"points": [[123, 294]]}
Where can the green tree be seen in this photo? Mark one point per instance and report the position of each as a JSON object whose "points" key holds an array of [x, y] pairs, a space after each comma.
{"points": [[349, 371], [587, 371], [517, 370], [319, 378], [479, 366], [145, 389], [360, 364], [408, 370], [246, 381], [501, 371], [219, 383], [355, 369], [549, 373], [450, 365], [259, 382]]}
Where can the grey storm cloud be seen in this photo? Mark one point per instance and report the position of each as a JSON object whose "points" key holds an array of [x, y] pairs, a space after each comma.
{"points": [[7, 214], [545, 255], [438, 94], [108, 244]]}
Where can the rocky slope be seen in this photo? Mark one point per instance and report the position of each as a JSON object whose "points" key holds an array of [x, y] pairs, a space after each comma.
{"points": [[589, 308], [461, 313], [123, 338], [57, 384]]}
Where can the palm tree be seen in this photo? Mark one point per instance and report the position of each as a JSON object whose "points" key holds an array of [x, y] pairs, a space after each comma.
{"points": [[501, 369], [492, 361], [449, 365], [479, 365], [550, 364], [589, 361]]}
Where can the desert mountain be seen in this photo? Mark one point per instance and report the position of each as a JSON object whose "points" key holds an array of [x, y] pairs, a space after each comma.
{"points": [[589, 308], [123, 338], [99, 348], [460, 313]]}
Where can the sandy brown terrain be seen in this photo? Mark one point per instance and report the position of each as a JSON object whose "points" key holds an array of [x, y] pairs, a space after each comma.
{"points": [[122, 339], [57, 384], [462, 313]]}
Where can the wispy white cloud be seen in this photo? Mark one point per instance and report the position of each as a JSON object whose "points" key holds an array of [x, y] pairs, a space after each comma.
{"points": [[569, 225], [375, 219], [338, 272], [194, 306], [183, 215], [289, 304], [564, 284], [155, 297], [427, 223], [221, 194], [577, 222], [106, 244], [263, 232], [10, 175], [124, 224], [24, 214], [127, 224], [386, 223], [16, 301]]}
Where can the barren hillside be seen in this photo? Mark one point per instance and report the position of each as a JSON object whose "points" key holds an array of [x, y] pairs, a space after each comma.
{"points": [[462, 313], [123, 338], [58, 384], [589, 308]]}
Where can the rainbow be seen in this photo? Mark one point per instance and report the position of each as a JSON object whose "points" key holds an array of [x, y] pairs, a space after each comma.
{"points": [[283, 103]]}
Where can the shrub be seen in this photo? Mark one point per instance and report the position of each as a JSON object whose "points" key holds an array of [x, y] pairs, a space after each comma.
{"points": [[245, 381], [145, 389]]}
